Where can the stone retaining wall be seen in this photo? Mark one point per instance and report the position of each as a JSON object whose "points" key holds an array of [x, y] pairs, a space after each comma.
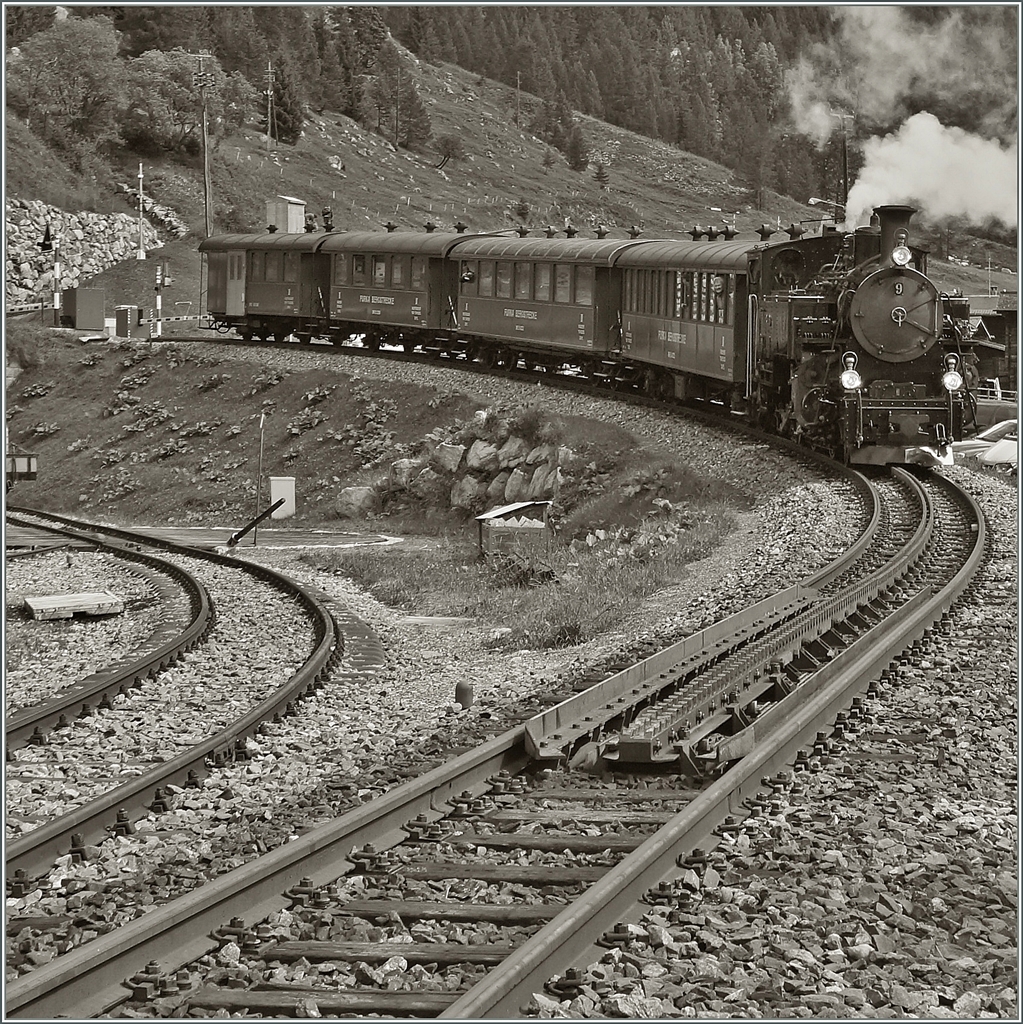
{"points": [[88, 244]]}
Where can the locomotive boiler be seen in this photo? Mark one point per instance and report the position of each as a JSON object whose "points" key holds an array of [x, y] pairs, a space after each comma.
{"points": [[855, 348]]}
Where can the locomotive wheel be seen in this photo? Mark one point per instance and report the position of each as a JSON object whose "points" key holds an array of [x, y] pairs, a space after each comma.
{"points": [[303, 339], [372, 342], [488, 357]]}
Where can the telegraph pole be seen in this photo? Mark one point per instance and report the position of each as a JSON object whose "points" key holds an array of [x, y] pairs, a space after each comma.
{"points": [[141, 254], [268, 77], [518, 89], [205, 80]]}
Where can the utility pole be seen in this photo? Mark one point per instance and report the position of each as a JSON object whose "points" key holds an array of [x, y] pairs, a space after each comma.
{"points": [[205, 80], [268, 77], [842, 115], [141, 253], [518, 88]]}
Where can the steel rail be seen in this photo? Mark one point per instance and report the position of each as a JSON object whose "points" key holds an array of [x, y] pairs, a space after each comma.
{"points": [[792, 725], [22, 725], [89, 978], [35, 852]]}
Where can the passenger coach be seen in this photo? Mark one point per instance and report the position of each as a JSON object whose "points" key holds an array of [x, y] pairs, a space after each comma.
{"points": [[267, 285], [684, 317], [397, 288], [550, 301]]}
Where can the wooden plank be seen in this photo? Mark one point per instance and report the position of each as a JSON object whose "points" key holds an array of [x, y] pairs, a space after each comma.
{"points": [[581, 816], [540, 874], [285, 1002], [63, 606], [422, 910], [441, 953], [638, 796], [547, 841]]}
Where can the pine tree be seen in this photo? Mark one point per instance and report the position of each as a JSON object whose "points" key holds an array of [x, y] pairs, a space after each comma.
{"points": [[549, 160], [576, 150], [601, 176]]}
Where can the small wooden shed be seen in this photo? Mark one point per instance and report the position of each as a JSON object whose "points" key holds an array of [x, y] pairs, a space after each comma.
{"points": [[522, 528]]}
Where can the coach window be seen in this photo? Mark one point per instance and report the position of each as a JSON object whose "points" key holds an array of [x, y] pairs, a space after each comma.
{"points": [[680, 296], [467, 275], [584, 286], [418, 272], [358, 270], [340, 269], [504, 280], [523, 280], [543, 282], [562, 283], [274, 266], [256, 264], [398, 274], [291, 266], [719, 289], [630, 290], [379, 271], [487, 278]]}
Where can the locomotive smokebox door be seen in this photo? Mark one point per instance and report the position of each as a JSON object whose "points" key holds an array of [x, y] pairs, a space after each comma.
{"points": [[896, 314]]}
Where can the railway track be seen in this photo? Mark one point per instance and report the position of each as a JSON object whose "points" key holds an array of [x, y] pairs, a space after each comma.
{"points": [[484, 824], [318, 646]]}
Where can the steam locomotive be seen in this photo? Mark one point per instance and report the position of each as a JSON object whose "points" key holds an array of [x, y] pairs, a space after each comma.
{"points": [[838, 339]]}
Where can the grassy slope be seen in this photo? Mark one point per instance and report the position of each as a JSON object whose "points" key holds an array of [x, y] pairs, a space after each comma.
{"points": [[658, 188], [172, 436]]}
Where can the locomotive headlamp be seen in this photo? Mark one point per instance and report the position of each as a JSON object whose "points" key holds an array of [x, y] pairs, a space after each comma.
{"points": [[849, 378], [952, 379], [901, 256]]}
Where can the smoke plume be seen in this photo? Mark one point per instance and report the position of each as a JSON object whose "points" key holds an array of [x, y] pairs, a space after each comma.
{"points": [[892, 66], [945, 171]]}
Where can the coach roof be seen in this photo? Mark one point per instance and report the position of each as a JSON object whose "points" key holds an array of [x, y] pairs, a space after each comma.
{"points": [[426, 243], [564, 250], [305, 242], [722, 256]]}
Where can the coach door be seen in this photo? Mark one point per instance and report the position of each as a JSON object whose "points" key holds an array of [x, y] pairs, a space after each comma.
{"points": [[235, 305]]}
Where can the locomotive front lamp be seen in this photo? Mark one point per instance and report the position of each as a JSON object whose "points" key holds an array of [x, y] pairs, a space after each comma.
{"points": [[952, 379], [850, 378], [901, 256]]}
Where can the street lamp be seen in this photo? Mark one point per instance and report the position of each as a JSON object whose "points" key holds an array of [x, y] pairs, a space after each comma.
{"points": [[837, 207]]}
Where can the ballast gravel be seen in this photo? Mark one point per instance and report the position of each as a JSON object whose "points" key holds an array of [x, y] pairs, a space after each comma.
{"points": [[74, 647], [367, 731], [208, 687], [884, 883]]}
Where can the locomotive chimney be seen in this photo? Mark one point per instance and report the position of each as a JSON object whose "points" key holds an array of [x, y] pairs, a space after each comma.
{"points": [[892, 219]]}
